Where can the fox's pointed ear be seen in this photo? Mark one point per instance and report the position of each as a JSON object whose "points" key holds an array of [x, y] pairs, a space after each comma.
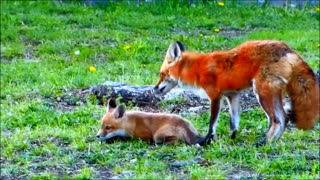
{"points": [[119, 112], [111, 105], [175, 51], [180, 46]]}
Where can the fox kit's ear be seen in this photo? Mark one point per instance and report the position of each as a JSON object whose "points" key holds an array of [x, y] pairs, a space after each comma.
{"points": [[174, 52], [111, 105], [119, 112]]}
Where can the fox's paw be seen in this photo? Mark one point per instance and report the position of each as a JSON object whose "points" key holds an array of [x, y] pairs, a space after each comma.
{"points": [[233, 134], [261, 142], [206, 140]]}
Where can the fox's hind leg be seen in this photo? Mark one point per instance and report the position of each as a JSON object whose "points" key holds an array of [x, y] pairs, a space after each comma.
{"points": [[233, 100], [269, 94]]}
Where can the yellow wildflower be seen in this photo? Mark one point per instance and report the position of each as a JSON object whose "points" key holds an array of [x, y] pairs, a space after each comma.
{"points": [[126, 47], [318, 9], [92, 69], [216, 30], [221, 4]]}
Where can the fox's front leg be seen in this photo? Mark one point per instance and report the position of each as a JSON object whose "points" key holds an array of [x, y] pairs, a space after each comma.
{"points": [[233, 100], [214, 116]]}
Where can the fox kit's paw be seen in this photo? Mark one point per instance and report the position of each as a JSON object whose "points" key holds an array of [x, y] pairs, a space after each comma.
{"points": [[116, 139]]}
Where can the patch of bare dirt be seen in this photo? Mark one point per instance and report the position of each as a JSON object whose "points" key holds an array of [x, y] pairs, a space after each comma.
{"points": [[29, 56], [68, 100], [243, 173]]}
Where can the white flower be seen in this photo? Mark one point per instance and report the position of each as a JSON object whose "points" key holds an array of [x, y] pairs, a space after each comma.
{"points": [[292, 5], [77, 52]]}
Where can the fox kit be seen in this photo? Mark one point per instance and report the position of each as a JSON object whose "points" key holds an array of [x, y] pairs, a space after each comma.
{"points": [[270, 67], [152, 127]]}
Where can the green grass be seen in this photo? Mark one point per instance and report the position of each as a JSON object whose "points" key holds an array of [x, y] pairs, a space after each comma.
{"points": [[126, 43]]}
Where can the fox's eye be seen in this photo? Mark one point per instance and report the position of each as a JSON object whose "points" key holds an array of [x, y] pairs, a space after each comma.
{"points": [[108, 127]]}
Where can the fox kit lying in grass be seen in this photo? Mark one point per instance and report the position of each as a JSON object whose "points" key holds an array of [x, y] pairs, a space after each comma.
{"points": [[151, 127]]}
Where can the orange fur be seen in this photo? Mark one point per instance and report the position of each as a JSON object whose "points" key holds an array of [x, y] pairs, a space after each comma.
{"points": [[150, 127], [271, 66]]}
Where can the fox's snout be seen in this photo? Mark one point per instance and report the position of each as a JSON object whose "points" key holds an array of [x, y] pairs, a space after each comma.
{"points": [[165, 86], [100, 135], [157, 90]]}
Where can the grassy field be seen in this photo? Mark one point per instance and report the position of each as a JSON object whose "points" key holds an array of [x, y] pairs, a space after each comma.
{"points": [[47, 49]]}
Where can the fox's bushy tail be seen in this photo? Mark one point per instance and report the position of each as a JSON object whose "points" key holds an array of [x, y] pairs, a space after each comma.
{"points": [[303, 90]]}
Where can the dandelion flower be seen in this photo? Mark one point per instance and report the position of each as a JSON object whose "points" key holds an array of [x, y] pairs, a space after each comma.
{"points": [[221, 4], [216, 30], [126, 47], [92, 69], [318, 9], [77, 52]]}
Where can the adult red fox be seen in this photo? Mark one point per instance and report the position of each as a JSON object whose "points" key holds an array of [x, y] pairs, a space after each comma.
{"points": [[152, 127], [270, 67]]}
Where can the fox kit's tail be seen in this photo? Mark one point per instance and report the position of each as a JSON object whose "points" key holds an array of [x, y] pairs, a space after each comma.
{"points": [[303, 90]]}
